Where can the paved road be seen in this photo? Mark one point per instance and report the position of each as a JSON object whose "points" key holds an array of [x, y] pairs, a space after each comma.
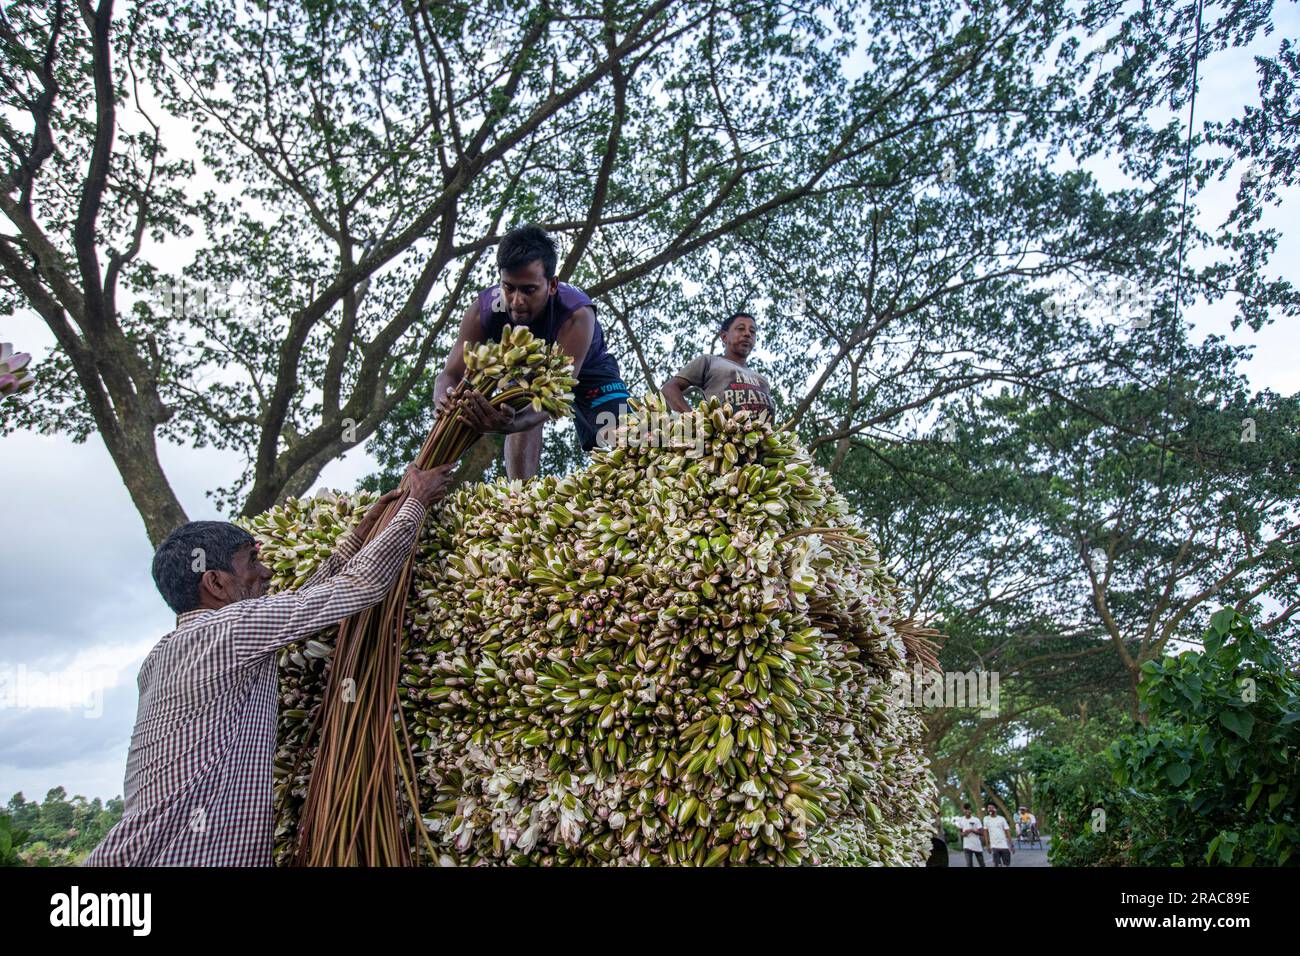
{"points": [[1024, 856]]}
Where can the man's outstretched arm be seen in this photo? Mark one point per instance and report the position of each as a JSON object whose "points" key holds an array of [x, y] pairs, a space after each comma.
{"points": [[263, 625], [349, 544], [675, 388]]}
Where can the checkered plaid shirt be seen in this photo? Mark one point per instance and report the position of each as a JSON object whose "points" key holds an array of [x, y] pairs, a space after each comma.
{"points": [[198, 774]]}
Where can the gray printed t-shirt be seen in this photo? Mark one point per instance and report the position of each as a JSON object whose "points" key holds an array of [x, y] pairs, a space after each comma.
{"points": [[739, 385]]}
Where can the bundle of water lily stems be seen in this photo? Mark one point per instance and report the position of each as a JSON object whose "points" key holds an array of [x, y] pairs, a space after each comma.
{"points": [[351, 815]]}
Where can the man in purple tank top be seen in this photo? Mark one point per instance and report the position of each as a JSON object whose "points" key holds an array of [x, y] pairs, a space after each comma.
{"points": [[530, 294]]}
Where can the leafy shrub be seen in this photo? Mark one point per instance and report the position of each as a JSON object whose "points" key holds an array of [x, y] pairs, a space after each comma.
{"points": [[1215, 770], [10, 840], [1088, 812], [1210, 779]]}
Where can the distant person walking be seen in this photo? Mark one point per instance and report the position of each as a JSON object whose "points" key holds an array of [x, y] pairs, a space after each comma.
{"points": [[998, 833], [971, 830]]}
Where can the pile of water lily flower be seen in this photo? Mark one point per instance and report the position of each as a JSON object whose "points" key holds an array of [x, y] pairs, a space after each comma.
{"points": [[679, 655]]}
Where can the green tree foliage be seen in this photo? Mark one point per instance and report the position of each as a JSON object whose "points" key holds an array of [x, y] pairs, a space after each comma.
{"points": [[1216, 767], [1152, 506], [11, 839], [1079, 804], [1208, 780], [882, 180], [58, 831]]}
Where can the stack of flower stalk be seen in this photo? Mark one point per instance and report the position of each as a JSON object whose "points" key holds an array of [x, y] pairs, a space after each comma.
{"points": [[681, 654], [351, 814]]}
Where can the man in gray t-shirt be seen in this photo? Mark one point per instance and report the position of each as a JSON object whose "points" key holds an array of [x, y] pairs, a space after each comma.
{"points": [[726, 376]]}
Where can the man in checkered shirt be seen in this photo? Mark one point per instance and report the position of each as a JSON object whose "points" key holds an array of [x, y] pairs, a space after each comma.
{"points": [[198, 774]]}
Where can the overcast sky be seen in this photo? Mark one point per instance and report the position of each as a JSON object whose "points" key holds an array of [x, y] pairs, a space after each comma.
{"points": [[80, 609]]}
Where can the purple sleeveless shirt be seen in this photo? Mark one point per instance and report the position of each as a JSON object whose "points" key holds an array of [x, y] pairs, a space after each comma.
{"points": [[598, 368]]}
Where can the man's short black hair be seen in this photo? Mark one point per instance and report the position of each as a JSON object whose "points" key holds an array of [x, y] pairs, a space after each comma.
{"points": [[190, 550], [729, 320], [526, 244]]}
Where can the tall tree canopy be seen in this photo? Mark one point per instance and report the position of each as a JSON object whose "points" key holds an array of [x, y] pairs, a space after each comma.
{"points": [[900, 190]]}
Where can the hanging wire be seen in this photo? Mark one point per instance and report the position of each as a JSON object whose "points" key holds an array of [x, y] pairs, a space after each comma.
{"points": [[1182, 236], [1187, 159]]}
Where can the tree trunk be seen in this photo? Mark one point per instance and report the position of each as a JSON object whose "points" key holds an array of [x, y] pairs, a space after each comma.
{"points": [[136, 456]]}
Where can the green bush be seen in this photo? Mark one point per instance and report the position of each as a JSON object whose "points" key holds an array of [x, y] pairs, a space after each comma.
{"points": [[1088, 812], [10, 840], [1215, 769], [951, 835], [1210, 779]]}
